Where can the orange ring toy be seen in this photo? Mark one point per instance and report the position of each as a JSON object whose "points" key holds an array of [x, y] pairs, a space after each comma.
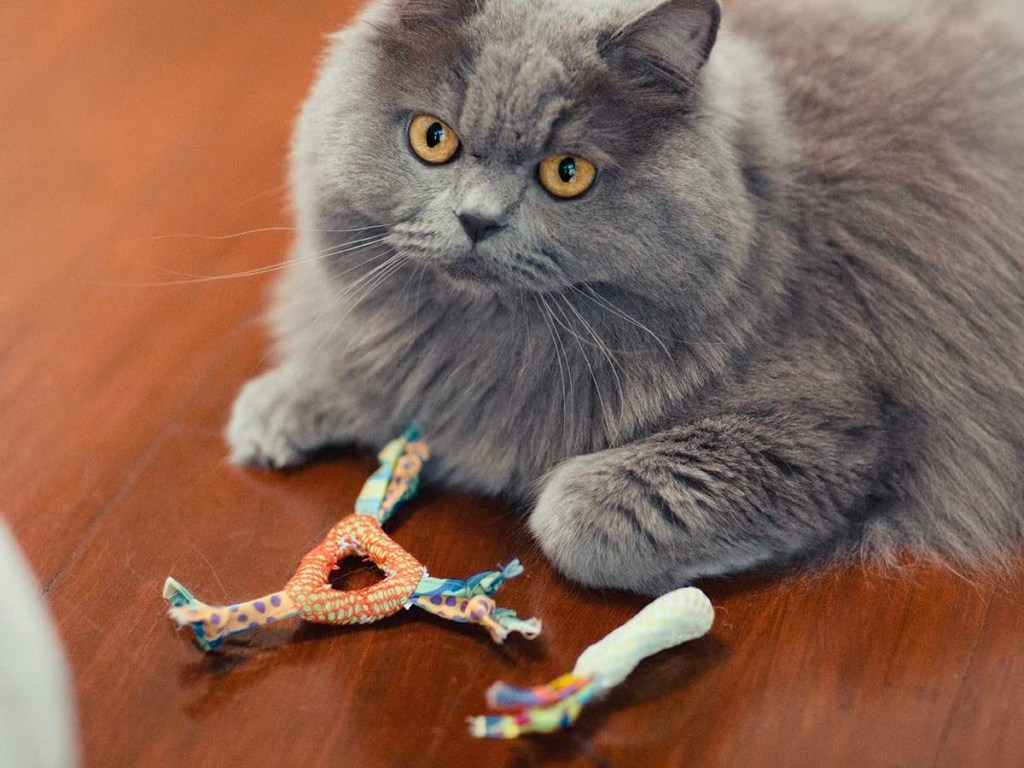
{"points": [[361, 535]]}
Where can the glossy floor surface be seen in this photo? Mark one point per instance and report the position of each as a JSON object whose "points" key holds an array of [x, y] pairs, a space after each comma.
{"points": [[125, 125]]}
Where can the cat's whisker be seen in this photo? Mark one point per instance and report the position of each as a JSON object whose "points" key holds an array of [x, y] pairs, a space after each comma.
{"points": [[594, 339], [352, 247], [393, 267], [605, 413], [398, 262], [340, 248], [352, 287], [415, 276], [595, 297], [418, 274], [601, 345], [278, 190], [381, 241], [189, 279], [349, 290], [618, 312], [556, 341], [373, 258], [261, 231], [598, 340], [322, 313], [233, 236]]}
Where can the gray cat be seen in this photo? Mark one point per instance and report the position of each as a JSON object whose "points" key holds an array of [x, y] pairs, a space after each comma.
{"points": [[706, 300]]}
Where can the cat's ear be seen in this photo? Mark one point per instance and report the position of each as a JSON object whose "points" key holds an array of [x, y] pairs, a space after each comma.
{"points": [[667, 45]]}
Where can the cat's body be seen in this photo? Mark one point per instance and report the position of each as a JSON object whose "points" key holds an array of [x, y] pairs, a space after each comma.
{"points": [[787, 321]]}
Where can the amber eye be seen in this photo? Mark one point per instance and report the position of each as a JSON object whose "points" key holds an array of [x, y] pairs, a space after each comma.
{"points": [[566, 175], [432, 139]]}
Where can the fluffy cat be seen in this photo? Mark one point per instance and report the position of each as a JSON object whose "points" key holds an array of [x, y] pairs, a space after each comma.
{"points": [[785, 322]]}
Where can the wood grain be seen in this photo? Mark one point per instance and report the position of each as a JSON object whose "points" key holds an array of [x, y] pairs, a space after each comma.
{"points": [[125, 122]]}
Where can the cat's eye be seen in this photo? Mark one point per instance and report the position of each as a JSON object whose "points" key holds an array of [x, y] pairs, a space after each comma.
{"points": [[432, 139], [566, 175]]}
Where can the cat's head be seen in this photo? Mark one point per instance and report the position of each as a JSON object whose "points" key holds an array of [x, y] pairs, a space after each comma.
{"points": [[526, 144]]}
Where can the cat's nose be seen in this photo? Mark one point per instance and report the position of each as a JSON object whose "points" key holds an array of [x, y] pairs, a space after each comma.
{"points": [[479, 226]]}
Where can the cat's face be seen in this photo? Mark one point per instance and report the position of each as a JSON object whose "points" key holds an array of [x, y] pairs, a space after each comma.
{"points": [[533, 145]]}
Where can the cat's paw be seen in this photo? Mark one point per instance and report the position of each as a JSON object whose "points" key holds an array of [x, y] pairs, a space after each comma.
{"points": [[277, 422], [600, 528]]}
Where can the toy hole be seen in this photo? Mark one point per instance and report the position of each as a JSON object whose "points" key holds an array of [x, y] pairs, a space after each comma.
{"points": [[355, 573]]}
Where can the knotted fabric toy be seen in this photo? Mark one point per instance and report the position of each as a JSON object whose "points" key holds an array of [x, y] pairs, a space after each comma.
{"points": [[675, 618], [310, 595]]}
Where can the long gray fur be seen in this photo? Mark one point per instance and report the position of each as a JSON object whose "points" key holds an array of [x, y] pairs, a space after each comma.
{"points": [[786, 322]]}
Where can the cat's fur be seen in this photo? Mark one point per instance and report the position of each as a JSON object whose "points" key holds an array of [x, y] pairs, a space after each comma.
{"points": [[787, 321]]}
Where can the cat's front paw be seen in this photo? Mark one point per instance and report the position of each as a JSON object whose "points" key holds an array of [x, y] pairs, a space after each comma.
{"points": [[277, 421], [602, 524]]}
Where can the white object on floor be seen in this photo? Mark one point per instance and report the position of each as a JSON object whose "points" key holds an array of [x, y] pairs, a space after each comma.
{"points": [[37, 724], [671, 620]]}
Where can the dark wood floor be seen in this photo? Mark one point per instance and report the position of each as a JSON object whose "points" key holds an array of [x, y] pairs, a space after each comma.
{"points": [[125, 122]]}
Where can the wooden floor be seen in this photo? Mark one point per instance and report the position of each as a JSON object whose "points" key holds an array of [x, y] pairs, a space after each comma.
{"points": [[125, 123]]}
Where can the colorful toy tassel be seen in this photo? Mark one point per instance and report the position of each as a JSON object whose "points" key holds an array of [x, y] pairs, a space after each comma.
{"points": [[310, 596], [671, 620]]}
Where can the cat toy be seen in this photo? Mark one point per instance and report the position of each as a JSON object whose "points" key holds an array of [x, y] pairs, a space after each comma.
{"points": [[671, 620], [309, 594]]}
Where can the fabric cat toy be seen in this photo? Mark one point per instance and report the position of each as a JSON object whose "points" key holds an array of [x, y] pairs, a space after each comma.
{"points": [[675, 618], [310, 596]]}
